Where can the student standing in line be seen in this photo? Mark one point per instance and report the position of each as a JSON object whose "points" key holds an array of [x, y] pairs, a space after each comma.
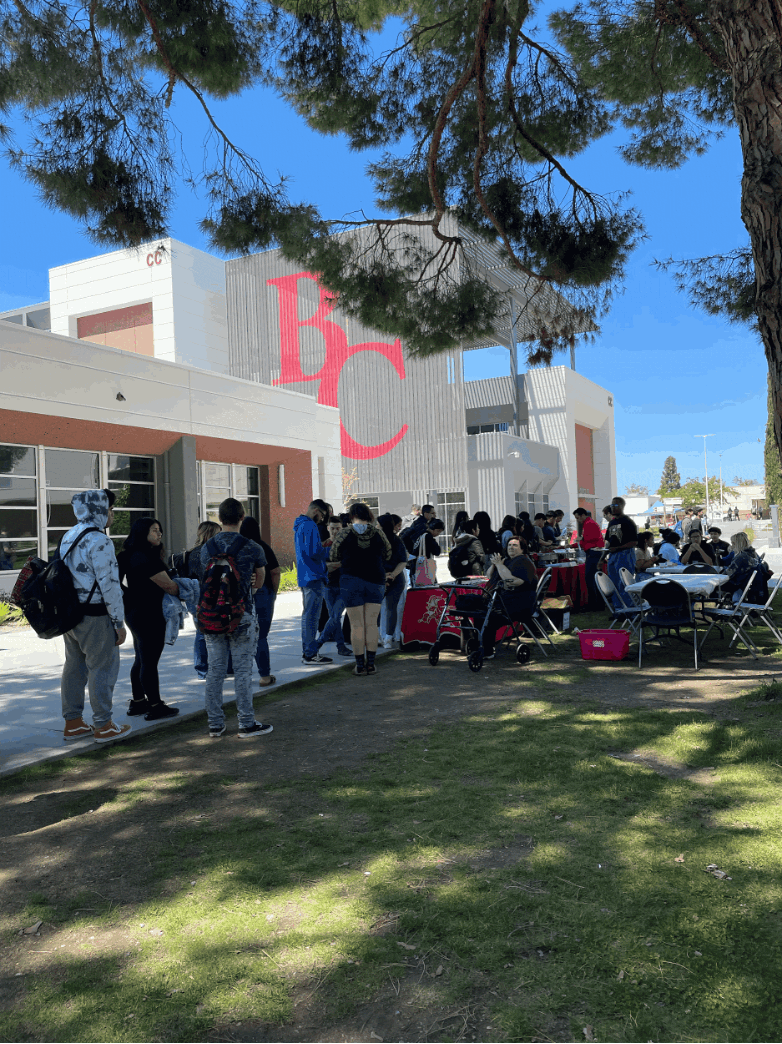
{"points": [[142, 567], [459, 520], [250, 563], [395, 577], [191, 567], [335, 603], [264, 598], [363, 551], [311, 559], [92, 646], [508, 529], [489, 539]]}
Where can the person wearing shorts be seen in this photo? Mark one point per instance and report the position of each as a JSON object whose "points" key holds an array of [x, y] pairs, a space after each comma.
{"points": [[363, 550]]}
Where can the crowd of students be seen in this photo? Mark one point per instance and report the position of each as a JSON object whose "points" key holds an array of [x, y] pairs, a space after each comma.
{"points": [[351, 569]]}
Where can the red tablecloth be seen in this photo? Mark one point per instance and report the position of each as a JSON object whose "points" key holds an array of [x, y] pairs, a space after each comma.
{"points": [[569, 580], [421, 614]]}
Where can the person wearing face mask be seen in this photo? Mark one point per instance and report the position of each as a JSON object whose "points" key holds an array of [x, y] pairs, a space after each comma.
{"points": [[142, 568], [311, 559], [363, 551]]}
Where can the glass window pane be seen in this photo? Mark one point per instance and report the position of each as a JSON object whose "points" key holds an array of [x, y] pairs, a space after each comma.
{"points": [[18, 523], [17, 460], [131, 469], [58, 507], [133, 496], [240, 483], [123, 520], [17, 492], [252, 482], [252, 508], [53, 537], [72, 469], [14, 553], [218, 475], [212, 505]]}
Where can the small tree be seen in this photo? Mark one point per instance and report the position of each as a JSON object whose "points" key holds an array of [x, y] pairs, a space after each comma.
{"points": [[671, 480], [636, 490], [693, 492]]}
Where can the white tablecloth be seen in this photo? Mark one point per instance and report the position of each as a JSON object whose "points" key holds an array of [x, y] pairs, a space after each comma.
{"points": [[663, 569], [701, 585]]}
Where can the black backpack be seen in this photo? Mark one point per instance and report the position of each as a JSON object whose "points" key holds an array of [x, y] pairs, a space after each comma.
{"points": [[459, 561], [49, 599]]}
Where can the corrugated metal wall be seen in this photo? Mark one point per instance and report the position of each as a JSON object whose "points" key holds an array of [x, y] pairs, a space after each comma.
{"points": [[374, 403]]}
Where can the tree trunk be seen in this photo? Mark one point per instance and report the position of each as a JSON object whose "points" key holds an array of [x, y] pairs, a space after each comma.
{"points": [[752, 34]]}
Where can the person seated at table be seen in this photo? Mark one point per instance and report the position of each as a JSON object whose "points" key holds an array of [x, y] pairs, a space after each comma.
{"points": [[719, 547], [553, 523], [745, 561], [545, 534], [517, 574], [668, 553], [645, 558], [697, 551]]}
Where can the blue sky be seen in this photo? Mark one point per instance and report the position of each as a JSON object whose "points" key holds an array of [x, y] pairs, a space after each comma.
{"points": [[674, 372]]}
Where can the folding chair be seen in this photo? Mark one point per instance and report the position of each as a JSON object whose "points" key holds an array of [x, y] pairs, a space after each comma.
{"points": [[737, 617], [630, 615], [669, 610], [763, 612], [540, 593], [634, 596], [699, 567]]}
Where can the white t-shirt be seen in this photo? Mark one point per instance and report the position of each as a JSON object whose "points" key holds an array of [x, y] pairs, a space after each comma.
{"points": [[669, 553]]}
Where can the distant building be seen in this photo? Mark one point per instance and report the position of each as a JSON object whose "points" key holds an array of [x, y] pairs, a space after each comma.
{"points": [[181, 379]]}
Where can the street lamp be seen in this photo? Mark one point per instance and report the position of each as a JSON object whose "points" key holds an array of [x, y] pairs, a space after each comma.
{"points": [[706, 466]]}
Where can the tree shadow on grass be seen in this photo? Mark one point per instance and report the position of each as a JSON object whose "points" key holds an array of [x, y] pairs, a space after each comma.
{"points": [[507, 868]]}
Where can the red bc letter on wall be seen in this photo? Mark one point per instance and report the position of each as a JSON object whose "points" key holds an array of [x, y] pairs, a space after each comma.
{"points": [[337, 354]]}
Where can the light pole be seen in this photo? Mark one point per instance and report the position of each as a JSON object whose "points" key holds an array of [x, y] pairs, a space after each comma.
{"points": [[706, 466], [722, 506]]}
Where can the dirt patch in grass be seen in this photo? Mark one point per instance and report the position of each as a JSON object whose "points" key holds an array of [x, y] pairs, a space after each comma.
{"points": [[88, 842]]}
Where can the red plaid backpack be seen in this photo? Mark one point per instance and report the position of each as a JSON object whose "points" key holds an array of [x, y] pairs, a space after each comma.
{"points": [[221, 605]]}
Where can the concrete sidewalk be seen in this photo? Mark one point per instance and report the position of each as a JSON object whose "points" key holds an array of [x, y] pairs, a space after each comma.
{"points": [[31, 722]]}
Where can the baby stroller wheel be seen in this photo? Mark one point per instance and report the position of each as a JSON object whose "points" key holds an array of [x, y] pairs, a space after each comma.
{"points": [[475, 661], [434, 655], [522, 653]]}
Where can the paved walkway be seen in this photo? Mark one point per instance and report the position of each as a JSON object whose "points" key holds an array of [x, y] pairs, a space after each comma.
{"points": [[31, 720]]}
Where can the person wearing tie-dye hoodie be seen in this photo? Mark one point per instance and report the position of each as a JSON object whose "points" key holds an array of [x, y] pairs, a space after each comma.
{"points": [[92, 646]]}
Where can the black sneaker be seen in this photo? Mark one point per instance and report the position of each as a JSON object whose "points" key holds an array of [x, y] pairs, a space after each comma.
{"points": [[317, 658], [256, 729], [138, 707], [371, 669], [160, 710], [216, 731], [343, 650]]}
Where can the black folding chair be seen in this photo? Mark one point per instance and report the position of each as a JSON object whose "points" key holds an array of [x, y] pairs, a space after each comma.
{"points": [[669, 609], [699, 567]]}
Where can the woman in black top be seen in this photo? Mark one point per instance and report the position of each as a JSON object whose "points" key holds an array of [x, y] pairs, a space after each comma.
{"points": [[363, 551], [519, 578], [146, 580], [395, 575], [488, 538]]}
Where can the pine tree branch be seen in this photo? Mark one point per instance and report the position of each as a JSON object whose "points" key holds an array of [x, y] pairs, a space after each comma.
{"points": [[686, 19]]}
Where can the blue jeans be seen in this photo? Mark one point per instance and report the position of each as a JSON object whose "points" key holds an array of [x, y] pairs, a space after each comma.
{"points": [[332, 632], [201, 659], [616, 560], [391, 601], [312, 597], [241, 644], [264, 608]]}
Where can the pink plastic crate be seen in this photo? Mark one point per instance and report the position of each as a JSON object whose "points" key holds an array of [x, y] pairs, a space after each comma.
{"points": [[604, 645]]}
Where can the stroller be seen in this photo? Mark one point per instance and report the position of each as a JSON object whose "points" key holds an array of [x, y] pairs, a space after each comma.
{"points": [[472, 612]]}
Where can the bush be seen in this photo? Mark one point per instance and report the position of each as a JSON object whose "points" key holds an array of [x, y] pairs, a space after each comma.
{"points": [[288, 580], [10, 614]]}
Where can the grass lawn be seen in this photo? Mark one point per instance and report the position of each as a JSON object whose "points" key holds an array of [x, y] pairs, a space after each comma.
{"points": [[536, 872]]}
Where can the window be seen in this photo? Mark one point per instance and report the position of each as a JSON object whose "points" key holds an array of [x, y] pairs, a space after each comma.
{"points": [[483, 429], [132, 480], [448, 504], [18, 506], [217, 482], [67, 472], [371, 501]]}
